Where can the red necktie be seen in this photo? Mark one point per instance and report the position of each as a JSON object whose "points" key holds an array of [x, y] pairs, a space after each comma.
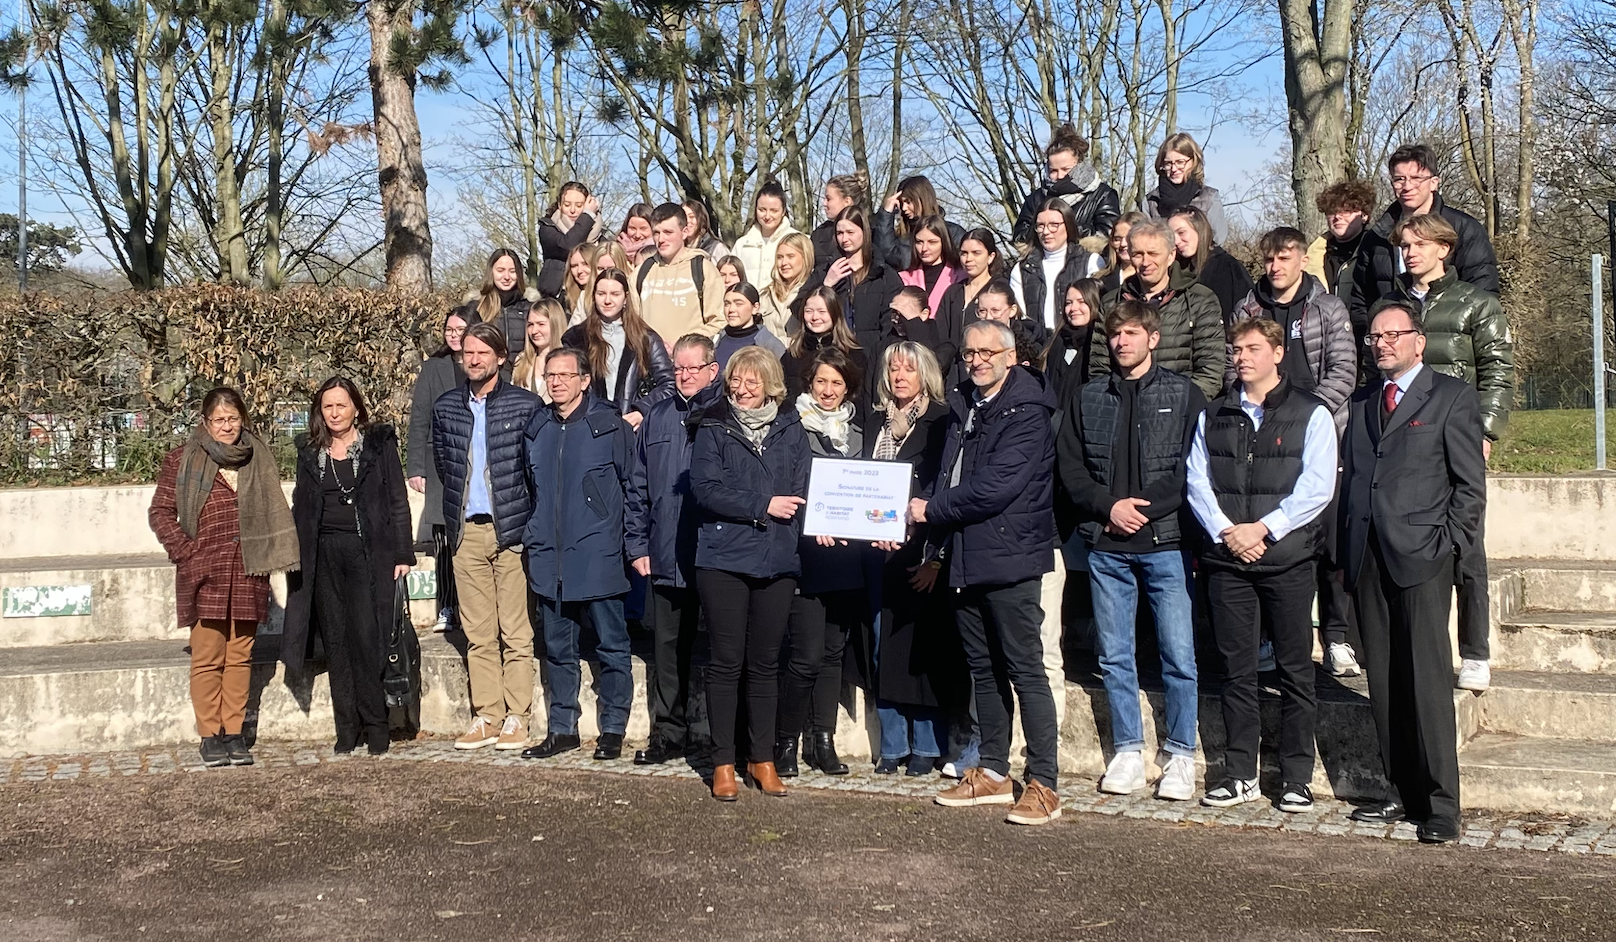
{"points": [[1391, 397]]}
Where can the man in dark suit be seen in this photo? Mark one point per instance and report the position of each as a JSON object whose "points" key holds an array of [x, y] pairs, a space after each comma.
{"points": [[1415, 490]]}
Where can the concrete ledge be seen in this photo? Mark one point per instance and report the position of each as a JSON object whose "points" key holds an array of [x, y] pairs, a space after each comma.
{"points": [[132, 599]]}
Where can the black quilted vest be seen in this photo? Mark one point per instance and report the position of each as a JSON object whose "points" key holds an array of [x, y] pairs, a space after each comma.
{"points": [[1164, 397], [1252, 470]]}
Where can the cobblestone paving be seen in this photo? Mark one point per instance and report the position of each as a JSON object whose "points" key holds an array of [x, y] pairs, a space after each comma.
{"points": [[1538, 832]]}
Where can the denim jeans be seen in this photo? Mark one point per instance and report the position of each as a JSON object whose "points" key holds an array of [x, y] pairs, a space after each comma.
{"points": [[561, 631], [1115, 580], [911, 730]]}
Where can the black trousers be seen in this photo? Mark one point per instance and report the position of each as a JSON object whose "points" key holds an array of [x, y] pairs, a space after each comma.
{"points": [[1244, 607], [675, 614], [746, 625], [816, 636], [443, 566], [1475, 620], [1410, 665], [345, 613], [1000, 626], [1336, 616]]}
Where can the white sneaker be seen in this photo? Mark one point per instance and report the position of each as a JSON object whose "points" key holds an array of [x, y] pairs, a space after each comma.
{"points": [[1343, 661], [1231, 792], [1178, 779], [445, 620], [952, 770], [1265, 657], [1125, 774], [1475, 675]]}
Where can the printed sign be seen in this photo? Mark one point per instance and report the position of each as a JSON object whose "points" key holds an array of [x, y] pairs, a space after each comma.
{"points": [[857, 500], [44, 601]]}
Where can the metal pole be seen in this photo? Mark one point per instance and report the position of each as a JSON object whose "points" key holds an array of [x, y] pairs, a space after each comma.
{"points": [[1598, 295], [22, 168]]}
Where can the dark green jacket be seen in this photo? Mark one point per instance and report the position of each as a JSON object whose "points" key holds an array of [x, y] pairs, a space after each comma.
{"points": [[1192, 337], [1467, 337]]}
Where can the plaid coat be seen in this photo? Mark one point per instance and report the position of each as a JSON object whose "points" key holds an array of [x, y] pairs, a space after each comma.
{"points": [[209, 579]]}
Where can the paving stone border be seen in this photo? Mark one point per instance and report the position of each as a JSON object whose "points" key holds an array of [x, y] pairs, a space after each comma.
{"points": [[1541, 832]]}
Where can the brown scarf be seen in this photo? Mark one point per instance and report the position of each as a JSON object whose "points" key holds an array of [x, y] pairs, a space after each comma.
{"points": [[268, 535], [898, 426]]}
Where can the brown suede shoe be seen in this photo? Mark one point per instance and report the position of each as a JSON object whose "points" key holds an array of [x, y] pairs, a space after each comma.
{"points": [[765, 778], [725, 787], [1038, 805], [977, 788]]}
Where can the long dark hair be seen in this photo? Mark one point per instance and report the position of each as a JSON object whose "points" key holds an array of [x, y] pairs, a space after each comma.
{"points": [[937, 227], [1068, 219], [489, 305], [919, 191], [989, 242], [319, 434], [636, 336], [860, 218]]}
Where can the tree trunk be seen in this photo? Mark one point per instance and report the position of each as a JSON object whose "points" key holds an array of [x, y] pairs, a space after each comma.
{"points": [[407, 234], [1316, 57], [275, 118], [1522, 20], [853, 10], [899, 47], [229, 234]]}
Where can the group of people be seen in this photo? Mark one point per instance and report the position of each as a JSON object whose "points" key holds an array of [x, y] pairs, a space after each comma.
{"points": [[1121, 411]]}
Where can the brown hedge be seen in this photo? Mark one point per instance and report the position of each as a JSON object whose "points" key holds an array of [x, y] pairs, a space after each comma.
{"points": [[95, 388]]}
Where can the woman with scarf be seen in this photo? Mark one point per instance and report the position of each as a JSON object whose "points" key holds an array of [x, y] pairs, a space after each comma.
{"points": [[440, 373], [920, 675], [1069, 178], [780, 300], [572, 220], [749, 478], [504, 300], [221, 515], [353, 524], [1181, 182], [742, 326], [831, 600]]}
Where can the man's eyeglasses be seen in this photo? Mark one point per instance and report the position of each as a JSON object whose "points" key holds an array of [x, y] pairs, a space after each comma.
{"points": [[1400, 182], [1390, 336], [568, 377], [970, 354], [682, 370]]}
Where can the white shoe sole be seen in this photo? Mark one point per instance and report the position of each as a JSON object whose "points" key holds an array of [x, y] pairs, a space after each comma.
{"points": [[510, 746], [1230, 802], [1166, 795], [478, 744], [1474, 687], [1012, 819], [1294, 809], [1007, 798], [1121, 788]]}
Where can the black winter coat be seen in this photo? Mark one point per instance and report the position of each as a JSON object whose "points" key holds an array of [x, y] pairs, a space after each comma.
{"points": [[659, 492], [384, 524], [512, 321], [1228, 279], [733, 483], [1193, 341], [508, 411], [825, 248], [578, 471], [941, 335], [838, 568], [895, 250], [1096, 210], [867, 306], [1379, 264], [556, 246], [634, 388], [998, 523], [439, 374], [1028, 281], [793, 365]]}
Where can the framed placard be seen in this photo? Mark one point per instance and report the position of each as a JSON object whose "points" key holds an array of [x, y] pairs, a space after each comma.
{"points": [[855, 499]]}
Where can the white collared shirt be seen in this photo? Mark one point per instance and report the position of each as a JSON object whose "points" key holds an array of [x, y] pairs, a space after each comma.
{"points": [[1307, 499]]}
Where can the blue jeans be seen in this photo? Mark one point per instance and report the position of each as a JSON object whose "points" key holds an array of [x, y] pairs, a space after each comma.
{"points": [[911, 730], [1115, 579], [561, 631]]}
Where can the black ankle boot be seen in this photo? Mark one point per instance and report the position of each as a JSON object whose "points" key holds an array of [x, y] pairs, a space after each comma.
{"points": [[785, 757], [824, 756]]}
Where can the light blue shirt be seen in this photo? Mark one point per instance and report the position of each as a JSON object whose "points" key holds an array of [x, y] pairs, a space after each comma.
{"points": [[1307, 499], [1403, 382], [478, 500]]}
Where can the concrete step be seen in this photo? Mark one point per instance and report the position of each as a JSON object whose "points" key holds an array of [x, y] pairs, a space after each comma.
{"points": [[1544, 703], [129, 598], [1557, 641], [1563, 585], [1508, 771]]}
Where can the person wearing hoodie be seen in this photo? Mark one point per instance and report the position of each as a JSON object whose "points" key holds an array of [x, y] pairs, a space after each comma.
{"points": [[572, 220], [661, 515], [1041, 278], [756, 247], [1191, 325], [1095, 205], [897, 221], [1415, 182], [742, 326], [992, 515], [1181, 182], [680, 289]]}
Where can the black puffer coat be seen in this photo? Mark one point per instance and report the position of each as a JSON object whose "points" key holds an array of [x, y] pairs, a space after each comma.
{"points": [[508, 411], [636, 387], [556, 246], [1096, 208]]}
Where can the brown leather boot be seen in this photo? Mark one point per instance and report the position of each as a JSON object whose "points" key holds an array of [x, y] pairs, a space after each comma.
{"points": [[725, 787], [766, 779]]}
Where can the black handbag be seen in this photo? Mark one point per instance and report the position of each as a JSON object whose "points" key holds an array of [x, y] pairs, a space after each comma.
{"points": [[401, 672]]}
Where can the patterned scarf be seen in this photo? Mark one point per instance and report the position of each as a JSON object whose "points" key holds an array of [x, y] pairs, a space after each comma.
{"points": [[268, 535], [897, 428], [755, 422]]}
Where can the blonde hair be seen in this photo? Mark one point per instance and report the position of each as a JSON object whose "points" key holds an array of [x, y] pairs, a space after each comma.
{"points": [[924, 362], [760, 363], [1427, 226], [589, 252], [1182, 143], [531, 360], [805, 247]]}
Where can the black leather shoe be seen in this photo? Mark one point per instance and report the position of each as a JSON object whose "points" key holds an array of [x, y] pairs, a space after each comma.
{"points": [[785, 757], [887, 767], [377, 741], [823, 755], [1381, 812], [554, 745], [657, 752], [609, 746], [1439, 829], [236, 747], [920, 765], [215, 754]]}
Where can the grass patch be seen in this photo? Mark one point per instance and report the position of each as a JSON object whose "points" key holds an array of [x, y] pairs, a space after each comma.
{"points": [[1552, 441]]}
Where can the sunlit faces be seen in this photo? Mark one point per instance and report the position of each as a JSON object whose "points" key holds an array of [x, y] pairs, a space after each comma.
{"points": [[829, 388], [1422, 256], [1119, 244], [1186, 241], [1255, 359], [1413, 185], [908, 207], [578, 267], [987, 362], [1394, 342], [669, 236], [610, 297], [1076, 308], [739, 311], [338, 410], [975, 258], [929, 247], [453, 330], [224, 424], [572, 204], [604, 262], [538, 330], [1061, 164], [746, 389], [770, 212], [834, 201], [503, 272], [1051, 230], [993, 306], [788, 263], [479, 360], [1131, 344], [692, 371], [849, 237], [1152, 258], [565, 378], [816, 316], [1284, 268], [1346, 224], [907, 307], [730, 274], [638, 229], [1177, 166]]}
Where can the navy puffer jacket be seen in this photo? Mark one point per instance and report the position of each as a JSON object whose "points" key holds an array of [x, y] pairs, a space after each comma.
{"points": [[509, 409], [660, 517], [998, 522], [733, 482], [579, 471]]}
